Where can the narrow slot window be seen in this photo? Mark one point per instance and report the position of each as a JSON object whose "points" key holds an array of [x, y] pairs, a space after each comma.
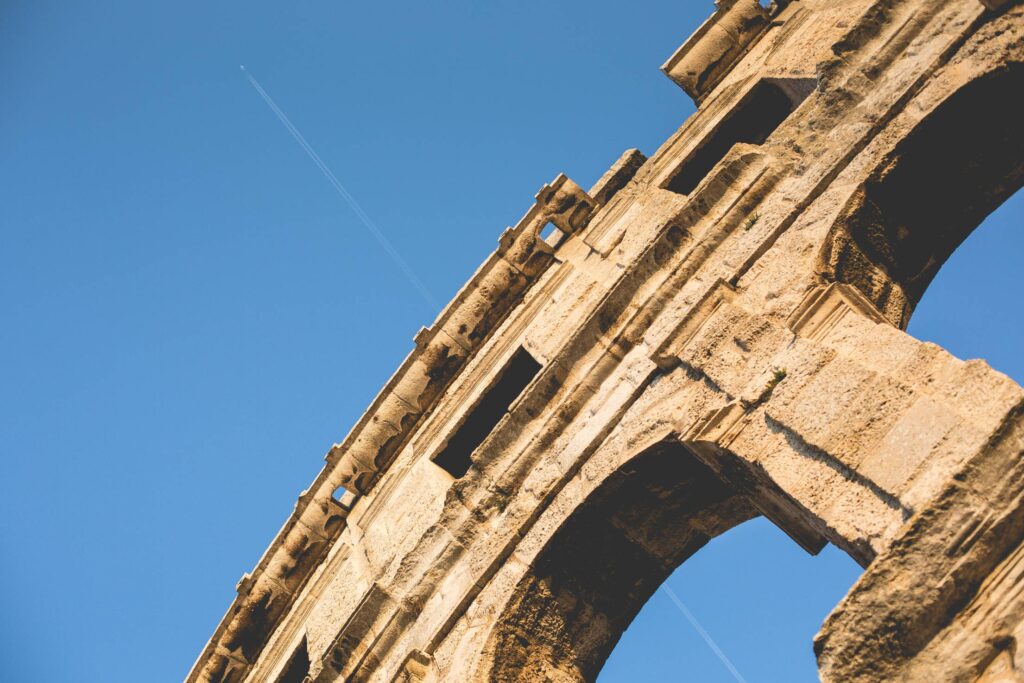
{"points": [[517, 374], [297, 668], [751, 121]]}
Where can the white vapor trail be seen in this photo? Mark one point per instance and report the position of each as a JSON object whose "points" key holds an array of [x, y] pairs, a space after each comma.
{"points": [[346, 195], [703, 634]]}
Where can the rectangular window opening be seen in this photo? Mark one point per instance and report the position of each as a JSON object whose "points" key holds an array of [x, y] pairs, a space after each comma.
{"points": [[751, 121], [484, 417], [297, 668], [551, 234]]}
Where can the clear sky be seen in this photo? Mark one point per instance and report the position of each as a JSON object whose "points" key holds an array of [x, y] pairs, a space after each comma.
{"points": [[191, 315]]}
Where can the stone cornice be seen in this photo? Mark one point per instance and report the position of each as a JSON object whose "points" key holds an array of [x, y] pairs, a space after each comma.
{"points": [[707, 57], [355, 464]]}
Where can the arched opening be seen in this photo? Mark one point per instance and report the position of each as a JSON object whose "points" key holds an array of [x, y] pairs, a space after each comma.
{"points": [[606, 561], [752, 602], [931, 192], [972, 308]]}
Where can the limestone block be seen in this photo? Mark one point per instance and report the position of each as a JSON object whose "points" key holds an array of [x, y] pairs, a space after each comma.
{"points": [[825, 307], [493, 294], [337, 600], [350, 645], [253, 618], [431, 371], [705, 58], [373, 447], [417, 668], [909, 443], [525, 250], [618, 176], [225, 667], [322, 515], [566, 205]]}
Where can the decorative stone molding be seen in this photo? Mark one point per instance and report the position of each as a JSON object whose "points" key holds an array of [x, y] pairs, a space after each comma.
{"points": [[418, 668], [709, 439], [703, 60], [499, 284], [370, 619], [618, 176], [825, 306], [356, 463], [667, 354]]}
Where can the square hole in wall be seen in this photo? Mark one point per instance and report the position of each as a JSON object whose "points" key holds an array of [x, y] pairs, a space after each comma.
{"points": [[552, 235]]}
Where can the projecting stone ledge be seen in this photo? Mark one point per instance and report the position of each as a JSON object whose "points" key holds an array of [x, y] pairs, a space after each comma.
{"points": [[703, 60], [357, 463]]}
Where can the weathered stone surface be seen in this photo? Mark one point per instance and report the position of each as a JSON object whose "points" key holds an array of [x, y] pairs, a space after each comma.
{"points": [[706, 58], [719, 335]]}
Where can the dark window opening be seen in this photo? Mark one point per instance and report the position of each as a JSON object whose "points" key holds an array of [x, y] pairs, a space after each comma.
{"points": [[929, 192], [298, 666], [518, 373], [756, 117]]}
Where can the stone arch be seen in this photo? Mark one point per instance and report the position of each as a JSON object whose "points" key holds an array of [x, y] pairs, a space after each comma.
{"points": [[930, 192], [605, 560]]}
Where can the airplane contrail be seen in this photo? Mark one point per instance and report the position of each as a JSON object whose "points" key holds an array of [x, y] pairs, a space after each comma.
{"points": [[703, 634], [345, 194]]}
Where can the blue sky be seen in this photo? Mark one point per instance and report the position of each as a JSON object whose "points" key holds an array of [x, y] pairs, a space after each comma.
{"points": [[191, 315]]}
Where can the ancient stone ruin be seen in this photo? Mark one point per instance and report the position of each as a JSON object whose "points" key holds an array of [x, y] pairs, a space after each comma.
{"points": [[707, 335]]}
